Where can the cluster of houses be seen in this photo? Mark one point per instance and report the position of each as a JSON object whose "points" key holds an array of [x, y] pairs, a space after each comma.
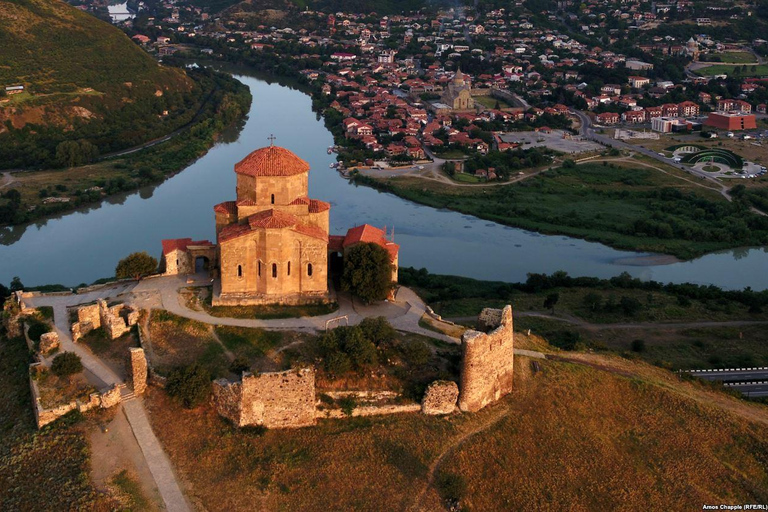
{"points": [[395, 79]]}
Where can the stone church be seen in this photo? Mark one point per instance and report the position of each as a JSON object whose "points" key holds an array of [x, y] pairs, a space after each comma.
{"points": [[273, 244], [457, 93]]}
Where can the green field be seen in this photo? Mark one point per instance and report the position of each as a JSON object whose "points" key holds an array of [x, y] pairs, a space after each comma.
{"points": [[732, 57], [463, 177], [491, 102], [636, 209], [724, 69]]}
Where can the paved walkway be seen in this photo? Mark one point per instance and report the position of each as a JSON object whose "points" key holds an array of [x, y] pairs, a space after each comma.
{"points": [[403, 313], [100, 375], [157, 460]]}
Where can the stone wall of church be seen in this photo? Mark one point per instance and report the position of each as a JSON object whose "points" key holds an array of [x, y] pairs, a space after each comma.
{"points": [[178, 262], [260, 190], [283, 257]]}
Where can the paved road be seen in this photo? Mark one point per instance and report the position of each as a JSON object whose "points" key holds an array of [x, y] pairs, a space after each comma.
{"points": [[7, 179], [746, 374], [751, 390]]}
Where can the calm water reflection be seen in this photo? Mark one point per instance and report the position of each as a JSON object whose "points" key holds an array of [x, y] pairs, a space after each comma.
{"points": [[86, 245]]}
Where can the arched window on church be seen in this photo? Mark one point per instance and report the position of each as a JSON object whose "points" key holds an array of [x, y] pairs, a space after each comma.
{"points": [[259, 268], [274, 270], [309, 269], [289, 268], [239, 271], [273, 198]]}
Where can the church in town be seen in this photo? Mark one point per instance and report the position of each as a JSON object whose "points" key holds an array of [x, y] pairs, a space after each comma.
{"points": [[458, 93], [272, 243]]}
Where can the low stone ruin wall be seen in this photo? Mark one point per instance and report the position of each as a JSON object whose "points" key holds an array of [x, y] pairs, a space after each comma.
{"points": [[13, 311], [370, 410], [105, 399], [274, 400], [287, 399], [440, 398], [116, 320]]}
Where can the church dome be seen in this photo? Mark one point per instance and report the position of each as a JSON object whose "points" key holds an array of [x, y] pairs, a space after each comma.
{"points": [[271, 161]]}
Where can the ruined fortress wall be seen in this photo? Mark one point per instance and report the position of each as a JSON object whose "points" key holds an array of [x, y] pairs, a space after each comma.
{"points": [[138, 366], [116, 320], [274, 400], [89, 314], [279, 400], [487, 361]]}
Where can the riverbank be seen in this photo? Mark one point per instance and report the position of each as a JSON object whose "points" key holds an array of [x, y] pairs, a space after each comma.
{"points": [[617, 204], [42, 194]]}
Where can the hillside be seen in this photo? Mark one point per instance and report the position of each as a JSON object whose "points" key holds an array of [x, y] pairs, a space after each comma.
{"points": [[587, 433], [83, 79]]}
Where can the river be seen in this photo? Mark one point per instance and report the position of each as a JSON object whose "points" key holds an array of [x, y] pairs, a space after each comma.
{"points": [[119, 12], [86, 245]]}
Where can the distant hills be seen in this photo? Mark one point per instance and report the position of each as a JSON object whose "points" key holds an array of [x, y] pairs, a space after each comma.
{"points": [[82, 78]]}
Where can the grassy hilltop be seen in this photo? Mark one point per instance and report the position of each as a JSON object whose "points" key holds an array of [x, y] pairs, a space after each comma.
{"points": [[84, 79]]}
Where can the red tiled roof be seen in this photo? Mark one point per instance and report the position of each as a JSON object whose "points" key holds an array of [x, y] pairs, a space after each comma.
{"points": [[272, 219], [300, 200], [233, 231], [228, 207], [271, 161], [181, 244], [317, 206], [313, 231], [370, 234]]}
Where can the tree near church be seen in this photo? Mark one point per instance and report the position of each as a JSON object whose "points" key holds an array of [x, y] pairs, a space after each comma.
{"points": [[135, 266], [367, 272]]}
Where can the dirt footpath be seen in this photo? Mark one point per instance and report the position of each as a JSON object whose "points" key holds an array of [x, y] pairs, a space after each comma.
{"points": [[117, 450]]}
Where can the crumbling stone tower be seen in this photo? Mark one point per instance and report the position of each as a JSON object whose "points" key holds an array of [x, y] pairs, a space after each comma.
{"points": [[487, 360]]}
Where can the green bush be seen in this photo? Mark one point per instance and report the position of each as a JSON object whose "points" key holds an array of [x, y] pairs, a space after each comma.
{"points": [[346, 347], [416, 352], [378, 330], [37, 329], [347, 404], [66, 364], [190, 385], [337, 364]]}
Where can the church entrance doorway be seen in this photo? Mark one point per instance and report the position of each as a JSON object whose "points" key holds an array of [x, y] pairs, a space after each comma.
{"points": [[202, 264]]}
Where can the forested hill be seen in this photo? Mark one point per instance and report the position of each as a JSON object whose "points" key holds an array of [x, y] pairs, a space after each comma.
{"points": [[83, 79]]}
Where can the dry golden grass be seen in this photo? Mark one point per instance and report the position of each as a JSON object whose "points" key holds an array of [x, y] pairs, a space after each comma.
{"points": [[55, 391], [572, 436], [430, 323], [581, 439], [176, 341]]}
